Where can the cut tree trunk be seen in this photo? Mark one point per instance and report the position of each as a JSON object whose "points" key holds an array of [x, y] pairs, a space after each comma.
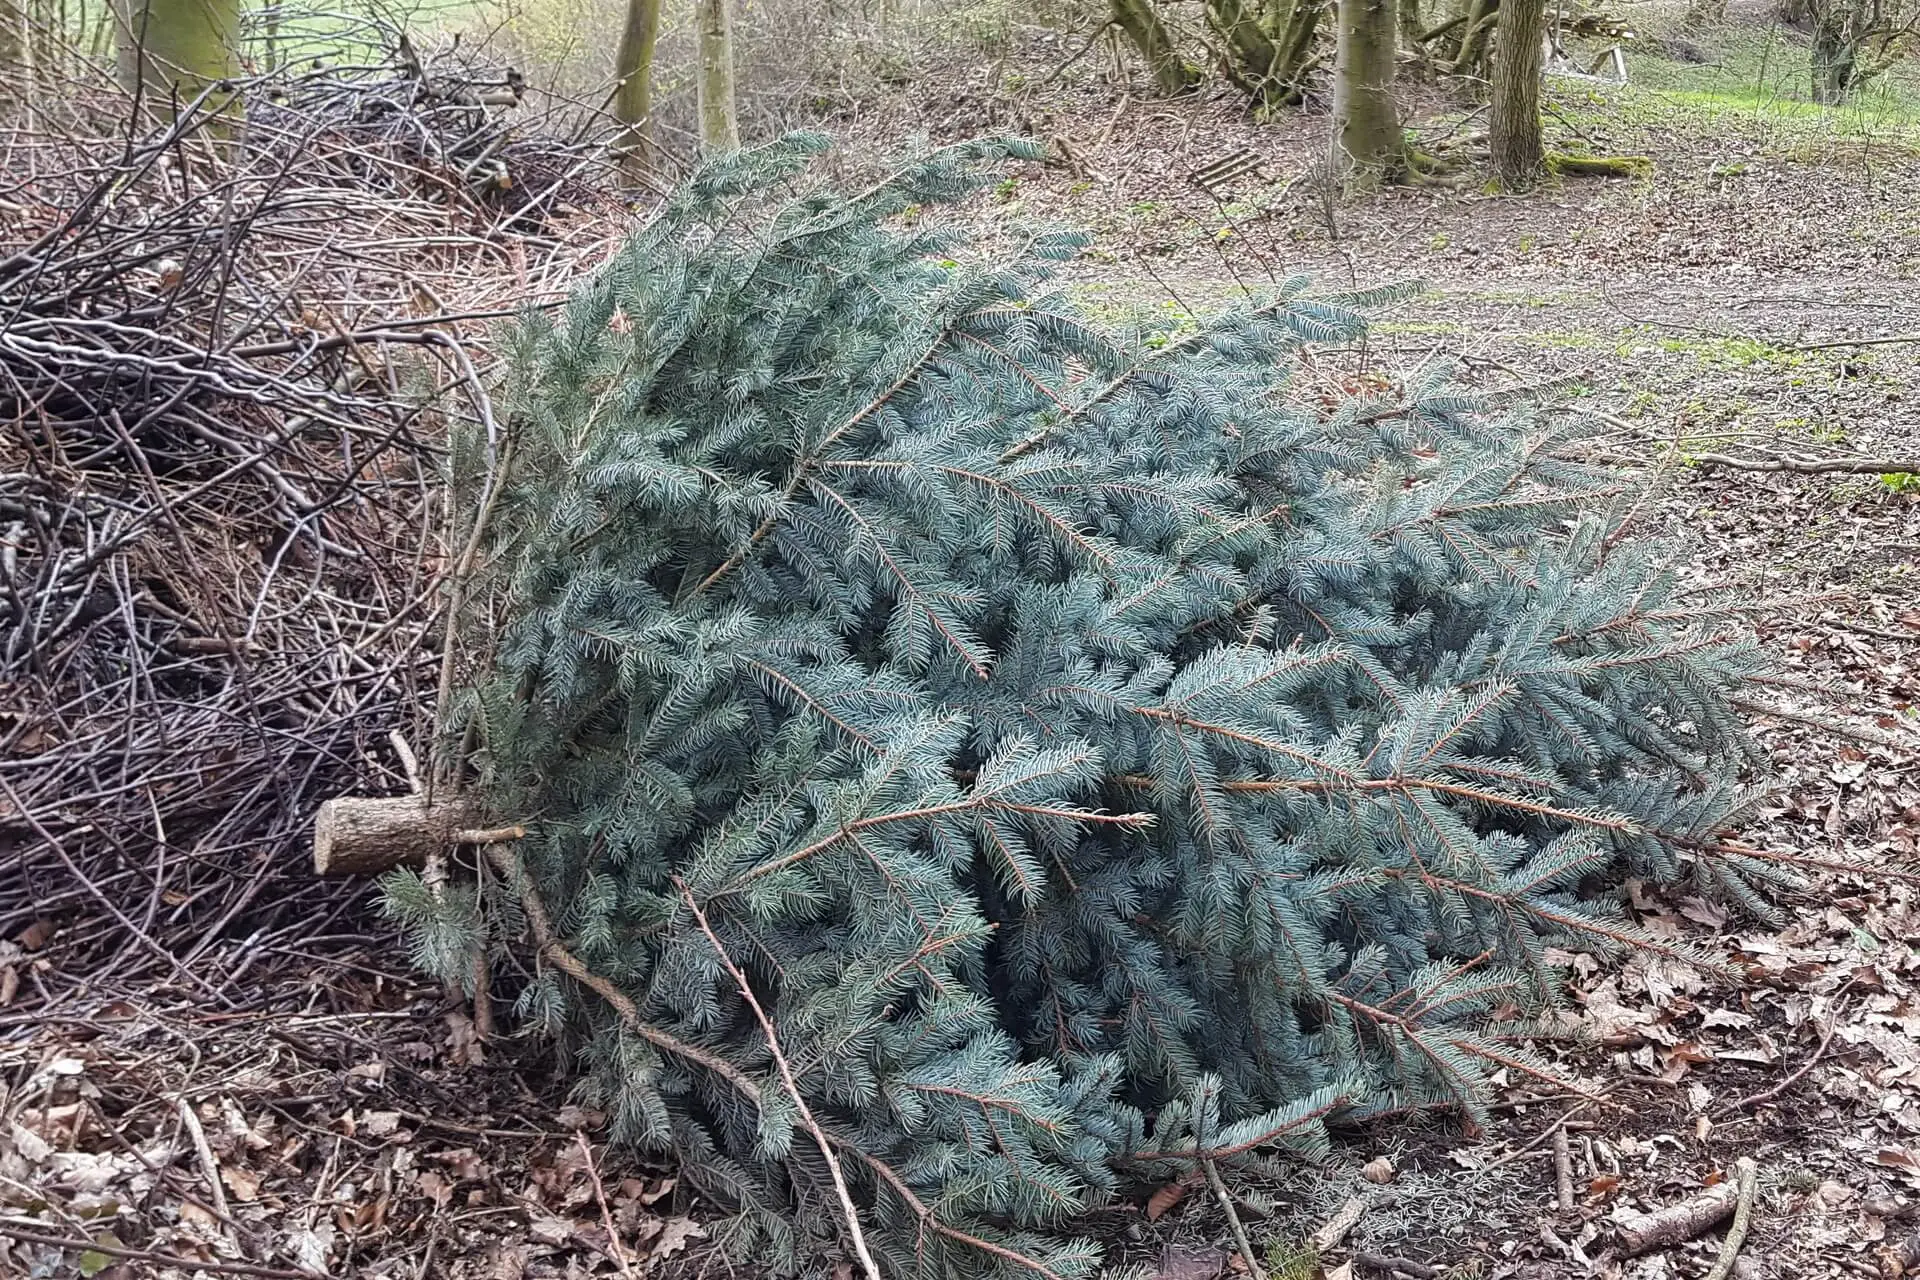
{"points": [[360, 836], [1172, 75], [633, 99], [172, 51], [1365, 115], [719, 114], [1514, 132]]}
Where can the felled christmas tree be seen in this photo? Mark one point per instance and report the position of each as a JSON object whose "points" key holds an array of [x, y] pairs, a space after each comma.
{"points": [[972, 757]]}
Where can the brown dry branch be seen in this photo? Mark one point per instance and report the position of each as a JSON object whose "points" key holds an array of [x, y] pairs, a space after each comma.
{"points": [[1812, 466], [847, 1209], [230, 365], [1745, 1177]]}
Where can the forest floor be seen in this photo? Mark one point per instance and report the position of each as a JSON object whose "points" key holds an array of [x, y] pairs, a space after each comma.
{"points": [[1759, 294]]}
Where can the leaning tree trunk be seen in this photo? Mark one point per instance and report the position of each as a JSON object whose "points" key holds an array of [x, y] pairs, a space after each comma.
{"points": [[1293, 38], [1514, 132], [633, 99], [719, 116], [1372, 147], [172, 51], [1171, 73]]}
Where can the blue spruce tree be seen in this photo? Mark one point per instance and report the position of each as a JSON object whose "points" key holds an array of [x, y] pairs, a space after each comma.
{"points": [[972, 758]]}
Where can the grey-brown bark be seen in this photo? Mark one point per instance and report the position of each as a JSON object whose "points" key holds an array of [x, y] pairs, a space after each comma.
{"points": [[719, 114], [1267, 53], [1366, 119], [1149, 35], [633, 98], [1514, 131]]}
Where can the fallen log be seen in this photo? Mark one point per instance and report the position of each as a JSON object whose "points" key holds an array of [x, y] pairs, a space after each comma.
{"points": [[365, 835], [1643, 1233]]}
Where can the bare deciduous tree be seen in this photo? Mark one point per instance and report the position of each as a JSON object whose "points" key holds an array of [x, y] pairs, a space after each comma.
{"points": [[1856, 40]]}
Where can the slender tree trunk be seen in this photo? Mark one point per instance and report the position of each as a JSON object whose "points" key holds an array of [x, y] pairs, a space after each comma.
{"points": [[43, 38], [1412, 26], [1364, 112], [1514, 132], [633, 100], [173, 50], [719, 114], [13, 44], [1171, 74]]}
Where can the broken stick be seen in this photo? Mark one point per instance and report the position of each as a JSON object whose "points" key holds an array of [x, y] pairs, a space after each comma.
{"points": [[1645, 1232]]}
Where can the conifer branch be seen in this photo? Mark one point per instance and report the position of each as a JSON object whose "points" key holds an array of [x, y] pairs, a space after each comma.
{"points": [[852, 1215], [554, 952]]}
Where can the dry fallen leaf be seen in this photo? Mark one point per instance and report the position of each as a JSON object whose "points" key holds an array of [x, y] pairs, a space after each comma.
{"points": [[243, 1183], [1164, 1199], [674, 1235]]}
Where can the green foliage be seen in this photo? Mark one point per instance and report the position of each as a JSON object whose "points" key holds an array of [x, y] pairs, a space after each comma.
{"points": [[1095, 752]]}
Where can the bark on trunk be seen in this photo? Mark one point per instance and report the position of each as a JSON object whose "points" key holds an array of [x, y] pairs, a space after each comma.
{"points": [[171, 51], [1514, 132], [1364, 112], [13, 43], [1171, 73], [633, 100], [1411, 25], [1833, 55], [719, 115]]}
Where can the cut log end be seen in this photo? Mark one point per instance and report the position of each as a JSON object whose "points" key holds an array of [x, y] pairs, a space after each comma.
{"points": [[363, 836]]}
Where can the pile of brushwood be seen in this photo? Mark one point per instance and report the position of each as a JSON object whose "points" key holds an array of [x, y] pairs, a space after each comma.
{"points": [[970, 757], [226, 373]]}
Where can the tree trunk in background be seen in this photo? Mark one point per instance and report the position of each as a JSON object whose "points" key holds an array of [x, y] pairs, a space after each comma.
{"points": [[1481, 17], [1253, 60], [1412, 27], [719, 115], [1171, 74], [633, 100], [1514, 132], [1833, 54], [1364, 113], [1706, 13], [13, 44], [175, 49]]}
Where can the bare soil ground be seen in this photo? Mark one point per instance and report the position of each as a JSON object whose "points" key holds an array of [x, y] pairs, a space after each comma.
{"points": [[332, 1111]]}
